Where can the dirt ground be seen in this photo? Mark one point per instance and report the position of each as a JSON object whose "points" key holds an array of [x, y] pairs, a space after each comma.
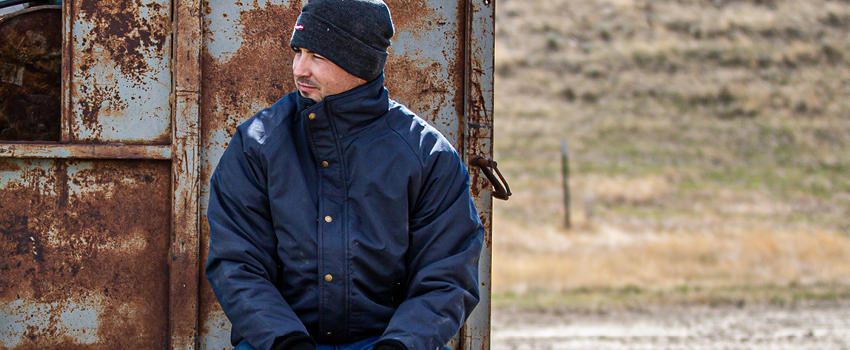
{"points": [[813, 325]]}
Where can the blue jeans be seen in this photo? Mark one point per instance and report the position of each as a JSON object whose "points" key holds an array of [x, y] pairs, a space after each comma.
{"points": [[365, 344]]}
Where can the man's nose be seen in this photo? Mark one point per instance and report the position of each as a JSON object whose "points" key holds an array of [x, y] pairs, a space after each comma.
{"points": [[300, 67]]}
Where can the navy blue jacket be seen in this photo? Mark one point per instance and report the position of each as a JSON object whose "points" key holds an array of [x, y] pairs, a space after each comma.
{"points": [[348, 220]]}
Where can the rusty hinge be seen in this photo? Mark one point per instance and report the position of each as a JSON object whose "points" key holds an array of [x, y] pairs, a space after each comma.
{"points": [[500, 191]]}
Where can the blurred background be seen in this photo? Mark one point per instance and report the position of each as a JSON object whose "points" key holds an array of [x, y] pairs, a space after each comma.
{"points": [[709, 153]]}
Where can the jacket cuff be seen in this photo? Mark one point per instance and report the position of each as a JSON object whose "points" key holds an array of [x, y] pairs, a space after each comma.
{"points": [[389, 344], [294, 341]]}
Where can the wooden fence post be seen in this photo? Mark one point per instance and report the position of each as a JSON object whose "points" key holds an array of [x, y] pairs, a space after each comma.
{"points": [[565, 169]]}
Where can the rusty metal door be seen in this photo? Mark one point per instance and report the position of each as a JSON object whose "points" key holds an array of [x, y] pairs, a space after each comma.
{"points": [[98, 220], [104, 232]]}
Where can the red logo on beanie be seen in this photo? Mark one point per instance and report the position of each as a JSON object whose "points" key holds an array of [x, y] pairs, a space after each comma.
{"points": [[299, 27]]}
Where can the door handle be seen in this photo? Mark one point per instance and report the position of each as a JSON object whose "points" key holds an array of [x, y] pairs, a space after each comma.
{"points": [[501, 188]]}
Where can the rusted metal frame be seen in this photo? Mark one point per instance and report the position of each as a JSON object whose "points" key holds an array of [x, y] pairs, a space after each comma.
{"points": [[478, 109], [67, 61], [81, 151], [185, 97]]}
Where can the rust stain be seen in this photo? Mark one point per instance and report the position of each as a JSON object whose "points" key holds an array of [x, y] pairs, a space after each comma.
{"points": [[30, 80], [259, 73], [120, 29], [99, 96], [478, 106], [9, 165], [88, 237], [417, 87], [488, 227], [423, 90], [208, 304], [121, 34], [412, 16]]}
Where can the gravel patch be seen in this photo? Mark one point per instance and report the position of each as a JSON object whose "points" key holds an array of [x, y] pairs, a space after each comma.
{"points": [[815, 325]]}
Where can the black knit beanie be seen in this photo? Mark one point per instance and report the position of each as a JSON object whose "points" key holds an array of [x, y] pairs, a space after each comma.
{"points": [[353, 34]]}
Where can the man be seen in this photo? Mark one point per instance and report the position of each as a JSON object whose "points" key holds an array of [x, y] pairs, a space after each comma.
{"points": [[337, 216]]}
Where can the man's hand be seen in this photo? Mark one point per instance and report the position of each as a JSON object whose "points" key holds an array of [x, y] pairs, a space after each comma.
{"points": [[294, 341], [389, 344]]}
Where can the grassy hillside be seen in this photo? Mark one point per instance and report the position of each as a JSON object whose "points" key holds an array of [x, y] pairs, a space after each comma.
{"points": [[709, 145]]}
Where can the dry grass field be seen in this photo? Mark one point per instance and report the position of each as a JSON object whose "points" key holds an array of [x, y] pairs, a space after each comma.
{"points": [[709, 146]]}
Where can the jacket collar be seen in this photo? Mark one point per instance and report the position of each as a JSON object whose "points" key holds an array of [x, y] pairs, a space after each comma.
{"points": [[355, 109]]}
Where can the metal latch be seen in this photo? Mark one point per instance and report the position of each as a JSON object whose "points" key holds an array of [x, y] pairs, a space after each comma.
{"points": [[500, 191]]}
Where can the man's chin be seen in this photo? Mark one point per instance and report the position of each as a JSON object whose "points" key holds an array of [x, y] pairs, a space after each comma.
{"points": [[313, 96]]}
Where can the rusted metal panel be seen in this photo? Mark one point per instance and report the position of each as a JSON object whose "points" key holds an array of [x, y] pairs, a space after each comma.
{"points": [[109, 151], [93, 263], [425, 68], [30, 53], [183, 309], [479, 142], [119, 71], [85, 262]]}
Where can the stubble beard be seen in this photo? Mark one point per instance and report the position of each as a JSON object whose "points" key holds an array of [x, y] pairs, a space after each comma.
{"points": [[310, 82]]}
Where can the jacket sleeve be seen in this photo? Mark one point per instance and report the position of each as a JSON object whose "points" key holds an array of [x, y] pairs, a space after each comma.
{"points": [[446, 238], [243, 266]]}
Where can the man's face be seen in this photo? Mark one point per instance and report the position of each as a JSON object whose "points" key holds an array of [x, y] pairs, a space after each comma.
{"points": [[317, 77]]}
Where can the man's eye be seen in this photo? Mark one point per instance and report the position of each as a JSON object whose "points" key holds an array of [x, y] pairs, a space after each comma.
{"points": [[319, 57], [296, 49]]}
